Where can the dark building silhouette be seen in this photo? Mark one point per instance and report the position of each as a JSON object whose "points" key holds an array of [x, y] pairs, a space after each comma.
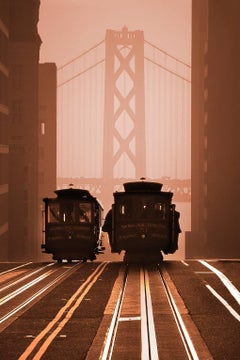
{"points": [[47, 133], [4, 120], [215, 130], [27, 131], [24, 44]]}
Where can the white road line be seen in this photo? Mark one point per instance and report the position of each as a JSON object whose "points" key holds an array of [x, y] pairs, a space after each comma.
{"points": [[224, 302], [231, 288], [132, 318]]}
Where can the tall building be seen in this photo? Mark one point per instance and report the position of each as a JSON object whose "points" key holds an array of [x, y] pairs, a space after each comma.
{"points": [[24, 44], [215, 130], [48, 135], [27, 131], [4, 120]]}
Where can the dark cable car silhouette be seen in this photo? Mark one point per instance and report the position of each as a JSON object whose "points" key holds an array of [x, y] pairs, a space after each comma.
{"points": [[72, 225], [143, 222]]}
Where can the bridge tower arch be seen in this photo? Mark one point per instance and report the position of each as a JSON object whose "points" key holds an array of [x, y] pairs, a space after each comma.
{"points": [[124, 149]]}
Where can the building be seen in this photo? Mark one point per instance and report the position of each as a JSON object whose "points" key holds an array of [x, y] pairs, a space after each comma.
{"points": [[48, 136], [215, 130], [27, 131], [4, 120], [23, 51]]}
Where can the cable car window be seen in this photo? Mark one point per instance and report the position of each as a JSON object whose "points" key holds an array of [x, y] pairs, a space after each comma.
{"points": [[122, 209], [125, 209], [159, 210], [54, 213], [158, 206], [83, 212], [67, 211]]}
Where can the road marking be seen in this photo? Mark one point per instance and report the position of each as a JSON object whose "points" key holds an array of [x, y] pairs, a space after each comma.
{"points": [[67, 311], [224, 302], [231, 288], [133, 318]]}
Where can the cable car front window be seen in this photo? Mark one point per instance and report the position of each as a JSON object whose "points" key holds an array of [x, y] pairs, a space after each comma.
{"points": [[125, 209], [158, 207], [122, 209], [67, 212], [83, 212], [160, 210]]}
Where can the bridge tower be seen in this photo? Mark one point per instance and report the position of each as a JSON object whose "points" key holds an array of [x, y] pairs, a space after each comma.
{"points": [[124, 153]]}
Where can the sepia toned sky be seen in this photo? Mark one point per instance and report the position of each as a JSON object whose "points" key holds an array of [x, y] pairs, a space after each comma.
{"points": [[70, 27]]}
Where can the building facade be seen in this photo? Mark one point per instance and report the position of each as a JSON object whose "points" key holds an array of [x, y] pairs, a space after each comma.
{"points": [[47, 137], [27, 131], [4, 121], [24, 45], [215, 130]]}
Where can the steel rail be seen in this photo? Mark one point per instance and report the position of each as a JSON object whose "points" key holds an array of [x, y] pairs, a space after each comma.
{"points": [[186, 340], [25, 287], [149, 349], [112, 331], [38, 293], [15, 268], [14, 283], [148, 333]]}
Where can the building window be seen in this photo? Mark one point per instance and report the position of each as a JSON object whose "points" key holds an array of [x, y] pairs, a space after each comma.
{"points": [[42, 128]]}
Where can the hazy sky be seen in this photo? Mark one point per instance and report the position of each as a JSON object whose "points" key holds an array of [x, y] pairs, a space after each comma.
{"points": [[69, 27]]}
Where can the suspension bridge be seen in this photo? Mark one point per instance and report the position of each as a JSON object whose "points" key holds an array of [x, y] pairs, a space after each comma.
{"points": [[124, 113]]}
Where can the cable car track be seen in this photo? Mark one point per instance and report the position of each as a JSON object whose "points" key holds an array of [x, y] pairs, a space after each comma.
{"points": [[52, 277], [186, 340], [148, 344], [148, 333], [110, 336], [15, 268], [141, 321], [21, 279], [151, 321]]}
